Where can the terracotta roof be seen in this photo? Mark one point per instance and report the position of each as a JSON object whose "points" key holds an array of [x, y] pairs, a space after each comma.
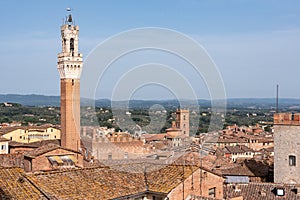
{"points": [[238, 149], [93, 183], [44, 149], [250, 168], [34, 144], [4, 140], [155, 137], [261, 191], [13, 185], [234, 149], [231, 140], [270, 149], [169, 177]]}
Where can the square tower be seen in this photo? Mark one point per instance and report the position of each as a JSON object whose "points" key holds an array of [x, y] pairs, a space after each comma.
{"points": [[70, 67], [287, 148], [183, 121]]}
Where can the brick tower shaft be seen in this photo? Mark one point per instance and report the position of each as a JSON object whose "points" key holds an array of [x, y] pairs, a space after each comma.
{"points": [[70, 113]]}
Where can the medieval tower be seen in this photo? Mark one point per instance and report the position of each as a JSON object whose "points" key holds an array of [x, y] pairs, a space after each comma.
{"points": [[286, 148], [69, 67], [183, 121]]}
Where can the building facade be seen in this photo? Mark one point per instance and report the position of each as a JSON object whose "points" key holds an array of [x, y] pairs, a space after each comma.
{"points": [[29, 134], [286, 148], [70, 67]]}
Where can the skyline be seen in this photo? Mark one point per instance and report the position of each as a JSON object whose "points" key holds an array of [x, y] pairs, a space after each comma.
{"points": [[246, 40]]}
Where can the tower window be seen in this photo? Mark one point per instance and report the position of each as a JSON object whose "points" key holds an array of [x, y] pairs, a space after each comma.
{"points": [[183, 117], [292, 160], [110, 156], [72, 81], [72, 45]]}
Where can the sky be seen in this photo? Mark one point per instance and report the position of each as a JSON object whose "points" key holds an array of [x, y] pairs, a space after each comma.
{"points": [[254, 44]]}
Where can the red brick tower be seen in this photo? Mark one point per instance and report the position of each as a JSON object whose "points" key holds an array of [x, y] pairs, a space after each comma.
{"points": [[69, 67]]}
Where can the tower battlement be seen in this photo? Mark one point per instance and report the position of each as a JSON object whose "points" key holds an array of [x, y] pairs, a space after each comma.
{"points": [[287, 119]]}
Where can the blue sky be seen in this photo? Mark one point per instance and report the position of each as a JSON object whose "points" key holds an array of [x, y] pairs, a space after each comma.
{"points": [[255, 44]]}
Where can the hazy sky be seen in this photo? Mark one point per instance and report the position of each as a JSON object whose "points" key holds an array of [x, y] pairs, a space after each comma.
{"points": [[255, 44]]}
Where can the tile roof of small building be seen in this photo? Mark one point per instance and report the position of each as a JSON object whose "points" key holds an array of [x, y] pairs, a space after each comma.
{"points": [[44, 149], [261, 191], [237, 149]]}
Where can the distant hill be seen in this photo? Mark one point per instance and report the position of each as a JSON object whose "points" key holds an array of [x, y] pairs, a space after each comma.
{"points": [[256, 103], [31, 100]]}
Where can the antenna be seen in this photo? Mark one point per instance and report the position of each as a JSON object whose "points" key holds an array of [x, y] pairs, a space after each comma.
{"points": [[277, 87]]}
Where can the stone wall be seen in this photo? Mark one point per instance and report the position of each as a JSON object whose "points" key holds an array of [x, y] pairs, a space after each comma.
{"points": [[286, 143]]}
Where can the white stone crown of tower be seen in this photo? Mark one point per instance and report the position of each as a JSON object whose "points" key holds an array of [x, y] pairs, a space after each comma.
{"points": [[69, 61]]}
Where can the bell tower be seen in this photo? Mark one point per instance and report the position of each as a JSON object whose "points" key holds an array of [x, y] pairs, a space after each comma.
{"points": [[69, 66]]}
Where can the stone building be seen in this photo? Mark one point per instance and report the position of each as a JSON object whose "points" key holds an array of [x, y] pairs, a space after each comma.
{"points": [[286, 148]]}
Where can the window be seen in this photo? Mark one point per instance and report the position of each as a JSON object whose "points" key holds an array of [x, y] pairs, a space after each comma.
{"points": [[126, 155], [72, 45], [109, 156], [183, 117], [292, 160], [212, 192], [3, 147]]}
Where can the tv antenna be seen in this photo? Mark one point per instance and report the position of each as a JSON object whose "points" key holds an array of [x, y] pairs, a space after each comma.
{"points": [[277, 88]]}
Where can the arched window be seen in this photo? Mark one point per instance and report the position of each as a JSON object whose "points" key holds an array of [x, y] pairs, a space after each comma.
{"points": [[72, 44]]}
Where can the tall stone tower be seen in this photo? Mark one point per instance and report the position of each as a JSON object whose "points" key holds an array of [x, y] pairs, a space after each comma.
{"points": [[286, 148], [69, 67], [183, 121]]}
